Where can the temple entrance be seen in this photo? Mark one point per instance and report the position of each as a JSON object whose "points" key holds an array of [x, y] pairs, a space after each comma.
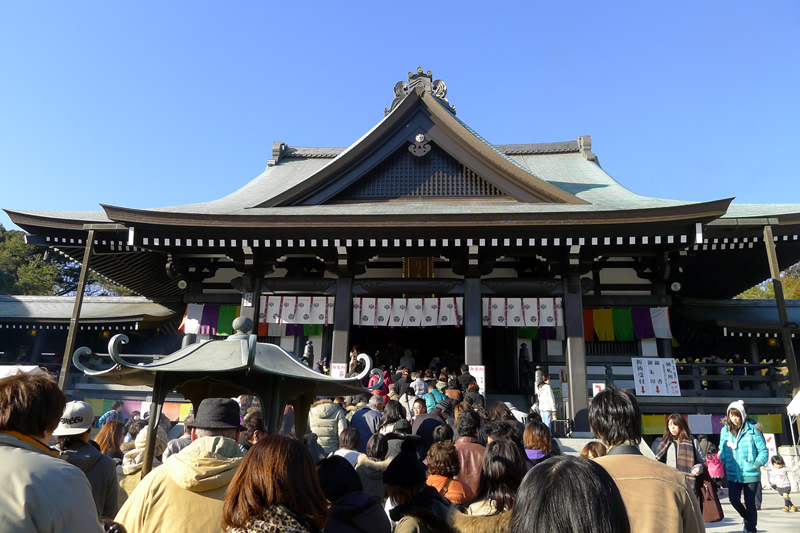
{"points": [[500, 358], [385, 343]]}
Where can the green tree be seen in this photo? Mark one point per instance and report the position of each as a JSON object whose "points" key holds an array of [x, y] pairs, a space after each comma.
{"points": [[790, 280], [27, 269]]}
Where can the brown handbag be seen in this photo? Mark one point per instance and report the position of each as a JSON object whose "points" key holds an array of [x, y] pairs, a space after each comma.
{"points": [[708, 499]]}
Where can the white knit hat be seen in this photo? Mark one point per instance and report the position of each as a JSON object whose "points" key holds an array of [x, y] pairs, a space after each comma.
{"points": [[739, 406]]}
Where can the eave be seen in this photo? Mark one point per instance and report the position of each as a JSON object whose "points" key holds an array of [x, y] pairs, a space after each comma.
{"points": [[701, 212]]}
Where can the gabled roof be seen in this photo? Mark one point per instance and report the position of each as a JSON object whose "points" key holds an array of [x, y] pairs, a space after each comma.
{"points": [[559, 182], [419, 119]]}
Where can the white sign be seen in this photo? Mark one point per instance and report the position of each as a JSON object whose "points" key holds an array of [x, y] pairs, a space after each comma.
{"points": [[655, 377], [338, 370], [597, 387], [772, 446], [479, 373]]}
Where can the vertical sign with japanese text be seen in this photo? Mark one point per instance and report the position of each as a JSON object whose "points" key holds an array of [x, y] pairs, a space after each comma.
{"points": [[655, 377], [479, 372]]}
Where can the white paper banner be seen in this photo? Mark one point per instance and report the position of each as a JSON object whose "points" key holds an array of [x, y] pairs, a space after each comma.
{"points": [[497, 311], [413, 315], [383, 311], [430, 312], [398, 312], [485, 320], [700, 424], [530, 308], [514, 312], [194, 314], [448, 311], [547, 313], [660, 318], [303, 315], [368, 311], [288, 310]]}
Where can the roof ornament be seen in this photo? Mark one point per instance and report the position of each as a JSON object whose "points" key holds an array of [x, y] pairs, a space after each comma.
{"points": [[420, 147], [420, 79]]}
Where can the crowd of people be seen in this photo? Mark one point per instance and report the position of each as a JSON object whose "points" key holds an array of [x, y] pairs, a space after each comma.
{"points": [[373, 463]]}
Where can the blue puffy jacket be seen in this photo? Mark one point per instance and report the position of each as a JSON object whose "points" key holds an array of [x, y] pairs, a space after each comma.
{"points": [[743, 454], [432, 398]]}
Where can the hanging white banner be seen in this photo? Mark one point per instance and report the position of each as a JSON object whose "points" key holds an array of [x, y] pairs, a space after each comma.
{"points": [[448, 312], [547, 313], [368, 311], [413, 315], [398, 312], [384, 311], [303, 310], [289, 306], [530, 310], [514, 312], [497, 311], [430, 312]]}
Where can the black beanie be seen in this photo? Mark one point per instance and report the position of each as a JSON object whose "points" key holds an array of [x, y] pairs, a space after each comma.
{"points": [[405, 469]]}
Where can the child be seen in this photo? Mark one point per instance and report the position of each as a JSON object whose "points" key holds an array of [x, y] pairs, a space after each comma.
{"points": [[715, 469], [778, 476]]}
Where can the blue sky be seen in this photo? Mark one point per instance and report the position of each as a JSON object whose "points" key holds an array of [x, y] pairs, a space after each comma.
{"points": [[149, 104]]}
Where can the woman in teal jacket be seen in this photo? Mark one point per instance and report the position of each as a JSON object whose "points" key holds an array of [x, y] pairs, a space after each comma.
{"points": [[743, 451]]}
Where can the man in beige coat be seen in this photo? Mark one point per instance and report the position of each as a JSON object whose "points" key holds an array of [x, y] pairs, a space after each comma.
{"points": [[656, 496], [187, 492]]}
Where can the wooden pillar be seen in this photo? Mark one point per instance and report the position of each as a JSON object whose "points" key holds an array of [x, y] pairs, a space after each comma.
{"points": [[786, 333], [342, 317], [473, 321], [576, 354], [76, 313]]}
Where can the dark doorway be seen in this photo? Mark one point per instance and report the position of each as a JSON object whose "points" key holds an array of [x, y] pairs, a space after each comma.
{"points": [[425, 343], [500, 358]]}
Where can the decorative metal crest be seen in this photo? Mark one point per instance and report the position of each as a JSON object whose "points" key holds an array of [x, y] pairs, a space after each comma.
{"points": [[420, 147], [420, 79]]}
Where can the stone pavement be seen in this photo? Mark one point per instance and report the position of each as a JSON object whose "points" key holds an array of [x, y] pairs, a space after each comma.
{"points": [[771, 518]]}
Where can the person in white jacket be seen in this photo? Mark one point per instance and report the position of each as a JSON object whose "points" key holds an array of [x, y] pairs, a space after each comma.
{"points": [[547, 402], [41, 491]]}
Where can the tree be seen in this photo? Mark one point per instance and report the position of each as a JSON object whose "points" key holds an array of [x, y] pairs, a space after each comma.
{"points": [[27, 269], [790, 280]]}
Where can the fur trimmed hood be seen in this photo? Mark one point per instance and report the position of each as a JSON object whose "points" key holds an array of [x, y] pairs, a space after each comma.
{"points": [[463, 523], [371, 468]]}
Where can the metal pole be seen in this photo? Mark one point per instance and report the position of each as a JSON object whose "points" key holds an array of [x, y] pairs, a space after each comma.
{"points": [[76, 312]]}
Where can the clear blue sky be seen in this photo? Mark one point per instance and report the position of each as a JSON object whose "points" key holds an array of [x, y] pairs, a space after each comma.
{"points": [[148, 104]]}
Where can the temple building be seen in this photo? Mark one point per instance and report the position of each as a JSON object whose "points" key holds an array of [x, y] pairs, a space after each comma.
{"points": [[424, 235]]}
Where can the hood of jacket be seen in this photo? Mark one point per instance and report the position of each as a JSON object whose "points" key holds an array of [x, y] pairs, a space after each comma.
{"points": [[481, 524], [429, 507], [325, 409], [206, 464], [357, 508], [84, 456], [372, 469]]}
